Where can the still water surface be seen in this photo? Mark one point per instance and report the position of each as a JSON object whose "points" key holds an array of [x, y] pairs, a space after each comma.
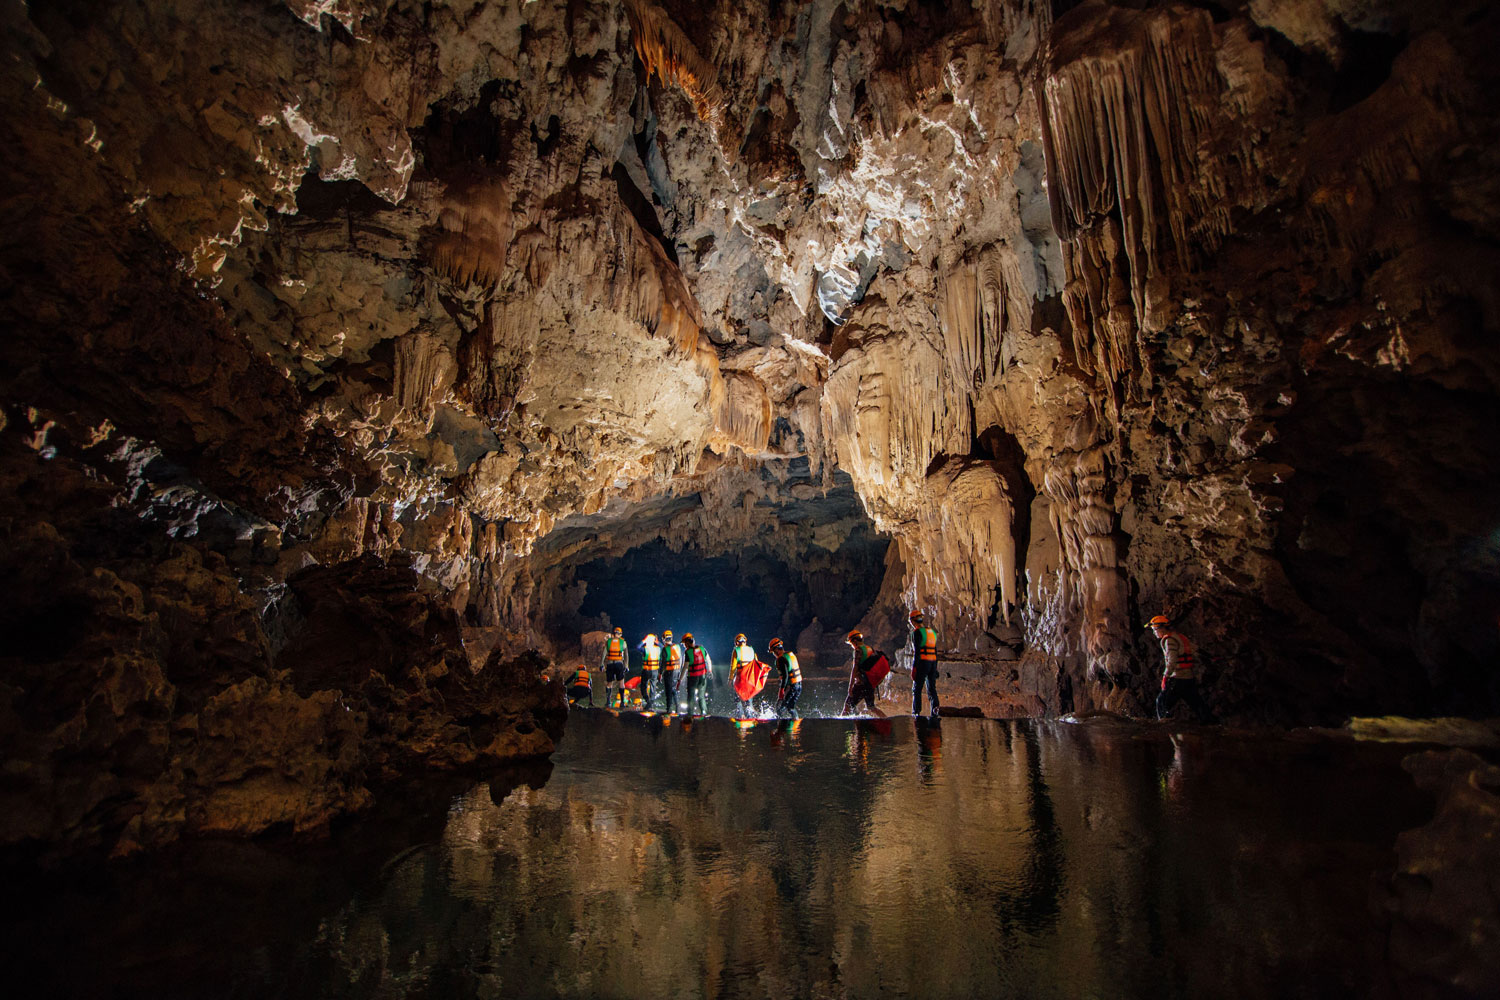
{"points": [[822, 858]]}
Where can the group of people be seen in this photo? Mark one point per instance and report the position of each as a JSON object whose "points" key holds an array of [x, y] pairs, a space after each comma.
{"points": [[665, 665]]}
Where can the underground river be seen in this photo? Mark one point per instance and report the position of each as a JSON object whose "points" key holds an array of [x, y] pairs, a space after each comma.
{"points": [[819, 858]]}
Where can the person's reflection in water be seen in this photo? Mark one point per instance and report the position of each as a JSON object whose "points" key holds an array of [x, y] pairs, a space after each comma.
{"points": [[929, 749], [1187, 764], [786, 728], [863, 736]]}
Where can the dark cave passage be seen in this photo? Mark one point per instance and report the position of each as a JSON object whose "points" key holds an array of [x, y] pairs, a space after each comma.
{"points": [[808, 569], [759, 593]]}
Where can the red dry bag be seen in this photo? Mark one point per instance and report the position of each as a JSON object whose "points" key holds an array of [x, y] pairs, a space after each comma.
{"points": [[878, 667], [751, 679]]}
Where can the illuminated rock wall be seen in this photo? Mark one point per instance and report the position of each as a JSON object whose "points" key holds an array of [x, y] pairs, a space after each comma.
{"points": [[1108, 313]]}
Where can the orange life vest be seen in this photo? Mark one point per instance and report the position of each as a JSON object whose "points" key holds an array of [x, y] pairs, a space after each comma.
{"points": [[1185, 663], [653, 659], [700, 665], [674, 656], [581, 679], [614, 650], [793, 671], [925, 642]]}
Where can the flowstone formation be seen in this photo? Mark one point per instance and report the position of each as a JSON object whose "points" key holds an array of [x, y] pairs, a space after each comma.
{"points": [[378, 319]]}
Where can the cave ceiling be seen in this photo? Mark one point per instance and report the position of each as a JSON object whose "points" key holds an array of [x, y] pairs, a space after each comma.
{"points": [[1090, 309]]}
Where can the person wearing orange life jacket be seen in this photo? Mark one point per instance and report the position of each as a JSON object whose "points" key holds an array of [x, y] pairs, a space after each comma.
{"points": [[740, 658], [614, 664], [650, 664], [699, 666], [790, 672], [579, 686], [860, 688], [1179, 679], [671, 665], [924, 663]]}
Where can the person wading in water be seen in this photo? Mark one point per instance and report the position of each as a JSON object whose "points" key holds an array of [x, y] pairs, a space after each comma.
{"points": [[742, 658], [650, 661], [698, 665], [861, 688], [671, 662], [924, 664], [1179, 678], [791, 679], [614, 665]]}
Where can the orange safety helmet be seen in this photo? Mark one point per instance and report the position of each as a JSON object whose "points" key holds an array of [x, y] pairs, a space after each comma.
{"points": [[916, 615], [619, 630], [687, 637], [855, 636], [775, 644], [1158, 620], [739, 638], [666, 634]]}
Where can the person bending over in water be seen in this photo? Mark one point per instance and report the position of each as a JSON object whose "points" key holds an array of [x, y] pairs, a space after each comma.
{"points": [[860, 687], [579, 687]]}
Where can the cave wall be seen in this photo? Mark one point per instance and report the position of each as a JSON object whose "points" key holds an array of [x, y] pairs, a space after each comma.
{"points": [[1124, 309]]}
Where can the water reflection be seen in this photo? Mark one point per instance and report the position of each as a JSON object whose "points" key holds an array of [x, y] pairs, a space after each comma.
{"points": [[897, 858], [810, 859]]}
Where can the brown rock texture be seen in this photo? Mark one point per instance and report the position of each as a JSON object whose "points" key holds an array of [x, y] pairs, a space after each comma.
{"points": [[1442, 898], [343, 334]]}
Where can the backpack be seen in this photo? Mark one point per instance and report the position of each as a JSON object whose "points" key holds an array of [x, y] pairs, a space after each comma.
{"points": [[879, 666]]}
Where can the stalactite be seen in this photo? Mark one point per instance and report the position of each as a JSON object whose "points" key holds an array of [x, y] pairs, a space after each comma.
{"points": [[475, 229], [671, 57], [424, 373], [972, 313], [969, 550], [743, 419], [1130, 103]]}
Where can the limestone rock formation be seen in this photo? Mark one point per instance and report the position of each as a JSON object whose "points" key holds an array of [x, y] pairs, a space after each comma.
{"points": [[344, 335]]}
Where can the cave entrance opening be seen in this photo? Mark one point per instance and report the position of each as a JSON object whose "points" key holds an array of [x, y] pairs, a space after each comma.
{"points": [[803, 565]]}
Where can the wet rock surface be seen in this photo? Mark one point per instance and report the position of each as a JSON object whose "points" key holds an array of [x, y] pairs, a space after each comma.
{"points": [[342, 334]]}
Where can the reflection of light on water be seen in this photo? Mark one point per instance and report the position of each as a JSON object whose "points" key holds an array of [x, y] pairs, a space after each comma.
{"points": [[750, 867]]}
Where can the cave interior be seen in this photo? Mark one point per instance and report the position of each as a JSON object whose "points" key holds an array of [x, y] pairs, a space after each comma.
{"points": [[366, 359]]}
